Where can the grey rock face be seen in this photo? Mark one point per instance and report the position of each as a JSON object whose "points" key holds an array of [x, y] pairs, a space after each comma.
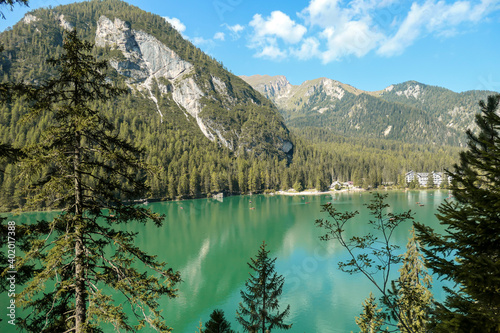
{"points": [[148, 63], [146, 59]]}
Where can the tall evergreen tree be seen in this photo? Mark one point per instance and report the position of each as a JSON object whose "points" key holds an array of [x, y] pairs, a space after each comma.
{"points": [[82, 168], [260, 308], [430, 180], [217, 323], [468, 253], [412, 290], [372, 318]]}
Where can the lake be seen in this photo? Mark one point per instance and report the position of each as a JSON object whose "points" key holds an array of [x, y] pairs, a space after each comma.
{"points": [[210, 243]]}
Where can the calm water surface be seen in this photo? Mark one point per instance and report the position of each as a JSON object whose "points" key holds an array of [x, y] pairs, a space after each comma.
{"points": [[210, 243]]}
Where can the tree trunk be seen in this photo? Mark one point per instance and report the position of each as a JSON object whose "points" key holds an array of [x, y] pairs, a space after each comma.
{"points": [[80, 293], [264, 312]]}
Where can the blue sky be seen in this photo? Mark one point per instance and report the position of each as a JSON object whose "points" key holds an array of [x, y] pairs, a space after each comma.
{"points": [[369, 44]]}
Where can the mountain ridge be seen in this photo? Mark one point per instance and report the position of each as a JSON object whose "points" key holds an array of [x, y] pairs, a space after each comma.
{"points": [[328, 103]]}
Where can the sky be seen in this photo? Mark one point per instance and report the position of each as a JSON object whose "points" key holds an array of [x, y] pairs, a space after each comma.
{"points": [[369, 44]]}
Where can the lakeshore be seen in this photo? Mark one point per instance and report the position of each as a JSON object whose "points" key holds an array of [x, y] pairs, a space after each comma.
{"points": [[316, 192]]}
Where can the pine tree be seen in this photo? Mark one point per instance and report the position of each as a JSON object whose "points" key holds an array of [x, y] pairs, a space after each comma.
{"points": [[430, 180], [82, 168], [217, 323], [260, 308], [372, 318], [297, 186], [468, 253], [413, 298]]}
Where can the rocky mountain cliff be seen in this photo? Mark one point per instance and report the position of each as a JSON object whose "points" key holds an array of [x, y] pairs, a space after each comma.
{"points": [[410, 112], [166, 74]]}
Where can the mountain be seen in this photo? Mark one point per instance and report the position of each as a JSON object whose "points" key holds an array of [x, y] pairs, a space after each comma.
{"points": [[174, 82], [204, 129], [409, 112], [455, 110]]}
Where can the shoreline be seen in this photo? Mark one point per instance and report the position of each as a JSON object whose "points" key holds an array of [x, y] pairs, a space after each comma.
{"points": [[316, 192], [290, 192]]}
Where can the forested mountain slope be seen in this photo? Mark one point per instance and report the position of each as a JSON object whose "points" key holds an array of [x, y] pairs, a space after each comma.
{"points": [[455, 110], [204, 129], [189, 113], [173, 81], [410, 112]]}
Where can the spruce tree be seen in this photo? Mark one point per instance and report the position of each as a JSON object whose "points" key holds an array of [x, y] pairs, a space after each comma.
{"points": [[372, 318], [430, 180], [259, 310], [217, 323], [81, 167], [413, 298], [468, 253]]}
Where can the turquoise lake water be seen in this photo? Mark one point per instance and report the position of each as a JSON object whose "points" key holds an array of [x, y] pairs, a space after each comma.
{"points": [[210, 243]]}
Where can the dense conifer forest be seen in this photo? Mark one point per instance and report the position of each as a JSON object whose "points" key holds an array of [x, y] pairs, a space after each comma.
{"points": [[188, 165]]}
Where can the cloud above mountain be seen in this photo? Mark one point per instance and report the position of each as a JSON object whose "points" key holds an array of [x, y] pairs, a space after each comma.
{"points": [[331, 30]]}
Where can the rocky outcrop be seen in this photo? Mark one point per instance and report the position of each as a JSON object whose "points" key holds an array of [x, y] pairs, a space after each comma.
{"points": [[278, 88], [28, 18], [329, 87], [144, 56], [63, 23], [273, 87], [145, 60], [412, 91], [290, 97]]}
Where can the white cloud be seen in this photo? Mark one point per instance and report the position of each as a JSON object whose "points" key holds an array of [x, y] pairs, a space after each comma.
{"points": [[278, 25], [353, 38], [337, 29], [271, 51], [435, 17], [346, 30], [308, 49], [237, 28], [234, 30], [176, 23], [219, 36]]}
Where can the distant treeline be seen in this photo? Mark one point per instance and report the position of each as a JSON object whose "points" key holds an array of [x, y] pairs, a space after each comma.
{"points": [[190, 166]]}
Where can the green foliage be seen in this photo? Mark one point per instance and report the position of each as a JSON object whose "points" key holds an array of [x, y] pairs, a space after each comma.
{"points": [[468, 252], [297, 186], [370, 117], [372, 318], [430, 181], [405, 300], [81, 167], [455, 110], [259, 310], [217, 323], [410, 294]]}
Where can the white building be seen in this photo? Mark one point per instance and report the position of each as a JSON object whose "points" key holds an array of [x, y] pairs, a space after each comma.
{"points": [[423, 178]]}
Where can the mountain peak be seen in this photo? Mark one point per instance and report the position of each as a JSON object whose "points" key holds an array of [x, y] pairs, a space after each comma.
{"points": [[273, 87]]}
